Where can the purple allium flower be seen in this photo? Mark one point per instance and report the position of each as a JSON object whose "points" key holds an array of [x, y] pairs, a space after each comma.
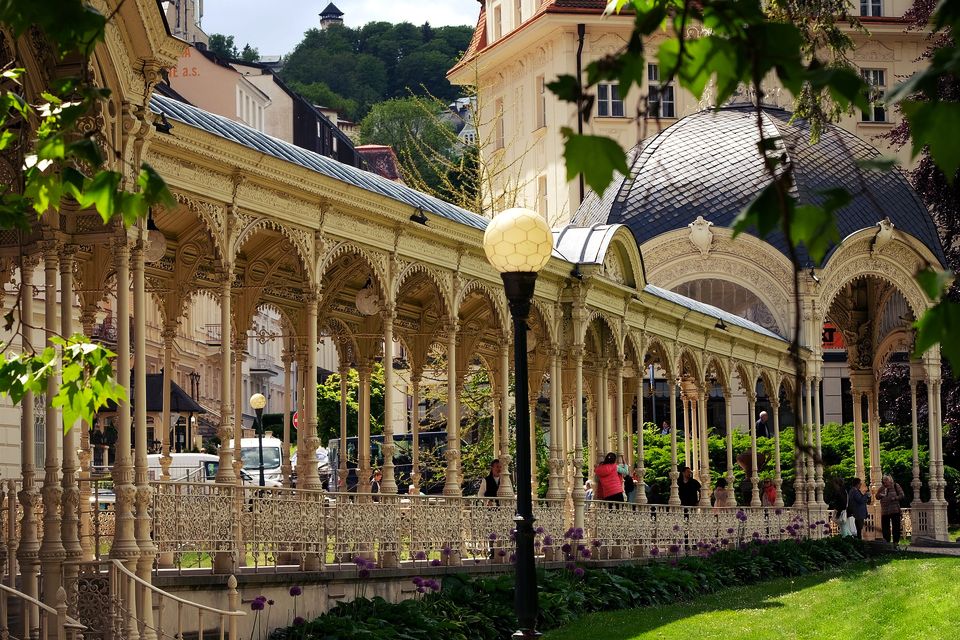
{"points": [[578, 572], [730, 530], [432, 584], [577, 534], [676, 527], [741, 515], [420, 590], [446, 551], [538, 531], [501, 553], [674, 548], [565, 548], [296, 591], [261, 598], [548, 540], [595, 543], [585, 553], [421, 555], [434, 563], [655, 551], [756, 534], [492, 537], [724, 541], [271, 602], [417, 580], [299, 622], [778, 511], [256, 605]]}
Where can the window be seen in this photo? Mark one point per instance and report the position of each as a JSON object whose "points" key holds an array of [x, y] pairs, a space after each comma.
{"points": [[498, 124], [872, 8], [497, 23], [542, 196], [609, 103], [661, 102], [517, 13], [876, 78], [541, 102]]}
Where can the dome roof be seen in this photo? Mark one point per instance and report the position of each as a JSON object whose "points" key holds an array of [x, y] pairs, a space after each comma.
{"points": [[707, 165]]}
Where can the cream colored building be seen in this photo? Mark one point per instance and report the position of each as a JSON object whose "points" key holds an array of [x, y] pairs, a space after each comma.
{"points": [[519, 45]]}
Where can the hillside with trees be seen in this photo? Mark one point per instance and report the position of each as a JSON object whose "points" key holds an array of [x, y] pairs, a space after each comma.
{"points": [[351, 69]]}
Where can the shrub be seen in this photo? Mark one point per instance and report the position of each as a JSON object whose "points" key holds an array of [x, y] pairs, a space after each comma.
{"points": [[482, 608]]}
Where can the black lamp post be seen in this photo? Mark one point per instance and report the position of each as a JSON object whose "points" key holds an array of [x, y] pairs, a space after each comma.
{"points": [[518, 243], [257, 402]]}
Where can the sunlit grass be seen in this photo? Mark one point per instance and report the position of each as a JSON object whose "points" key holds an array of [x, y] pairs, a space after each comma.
{"points": [[902, 598]]}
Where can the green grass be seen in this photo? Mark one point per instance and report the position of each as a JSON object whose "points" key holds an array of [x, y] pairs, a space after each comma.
{"points": [[954, 533], [896, 599]]}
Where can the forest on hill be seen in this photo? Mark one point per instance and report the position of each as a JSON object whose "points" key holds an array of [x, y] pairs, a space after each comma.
{"points": [[352, 69]]}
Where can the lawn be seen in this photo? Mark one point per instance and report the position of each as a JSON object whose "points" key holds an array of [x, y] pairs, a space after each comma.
{"points": [[902, 598]]}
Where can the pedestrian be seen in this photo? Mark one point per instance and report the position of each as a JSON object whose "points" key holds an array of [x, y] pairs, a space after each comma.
{"points": [[857, 502], [688, 488], [665, 428], [629, 484], [890, 494], [490, 485], [375, 484], [768, 493], [588, 490], [763, 429], [721, 493], [610, 482]]}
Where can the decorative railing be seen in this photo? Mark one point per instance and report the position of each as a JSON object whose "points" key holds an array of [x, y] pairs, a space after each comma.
{"points": [[51, 622], [271, 527], [110, 601]]}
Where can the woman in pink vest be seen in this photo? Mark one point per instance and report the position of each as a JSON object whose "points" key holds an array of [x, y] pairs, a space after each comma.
{"points": [[610, 485]]}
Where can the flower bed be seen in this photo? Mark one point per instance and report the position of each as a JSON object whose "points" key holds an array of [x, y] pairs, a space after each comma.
{"points": [[482, 608]]}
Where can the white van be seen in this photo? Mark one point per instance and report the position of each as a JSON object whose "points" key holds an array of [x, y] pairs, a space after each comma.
{"points": [[192, 467], [250, 456]]}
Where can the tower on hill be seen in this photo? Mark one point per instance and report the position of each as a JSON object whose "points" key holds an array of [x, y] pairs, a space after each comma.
{"points": [[331, 15]]}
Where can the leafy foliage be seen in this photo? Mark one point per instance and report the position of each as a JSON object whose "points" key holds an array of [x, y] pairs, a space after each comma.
{"points": [[223, 47], [41, 127], [482, 608], [378, 61]]}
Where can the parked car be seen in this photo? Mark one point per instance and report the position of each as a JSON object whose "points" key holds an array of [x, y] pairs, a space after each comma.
{"points": [[272, 459], [323, 467]]}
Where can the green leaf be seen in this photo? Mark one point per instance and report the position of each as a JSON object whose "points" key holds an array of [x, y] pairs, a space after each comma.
{"points": [[815, 227], [596, 157], [934, 125], [940, 324], [101, 192], [879, 164], [764, 213], [154, 188], [566, 88], [934, 283]]}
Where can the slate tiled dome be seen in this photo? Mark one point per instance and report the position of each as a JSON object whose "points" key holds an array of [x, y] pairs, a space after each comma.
{"points": [[707, 164]]}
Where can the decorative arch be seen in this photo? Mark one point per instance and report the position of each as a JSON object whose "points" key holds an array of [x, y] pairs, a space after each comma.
{"points": [[212, 216], [377, 268], [495, 300], [896, 263], [436, 278], [656, 348], [717, 365], [266, 223], [600, 318], [546, 319], [688, 361], [672, 259]]}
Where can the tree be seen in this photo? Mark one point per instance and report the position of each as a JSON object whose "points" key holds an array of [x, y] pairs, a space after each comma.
{"points": [[222, 46], [249, 54], [378, 61], [39, 124], [424, 140], [328, 404]]}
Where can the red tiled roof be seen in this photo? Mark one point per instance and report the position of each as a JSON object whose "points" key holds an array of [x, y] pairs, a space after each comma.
{"points": [[382, 160]]}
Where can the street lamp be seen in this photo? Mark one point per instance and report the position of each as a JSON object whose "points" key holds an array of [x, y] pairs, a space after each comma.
{"points": [[257, 402], [518, 243]]}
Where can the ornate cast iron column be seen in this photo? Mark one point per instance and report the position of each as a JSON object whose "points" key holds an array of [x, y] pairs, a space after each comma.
{"points": [[389, 483], [506, 481], [70, 523], [451, 486], [673, 474]]}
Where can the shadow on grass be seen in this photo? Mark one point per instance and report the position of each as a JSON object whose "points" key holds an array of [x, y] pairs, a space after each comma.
{"points": [[627, 624]]}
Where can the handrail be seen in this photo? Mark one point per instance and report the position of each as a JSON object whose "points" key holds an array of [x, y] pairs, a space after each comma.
{"points": [[70, 622], [220, 612]]}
